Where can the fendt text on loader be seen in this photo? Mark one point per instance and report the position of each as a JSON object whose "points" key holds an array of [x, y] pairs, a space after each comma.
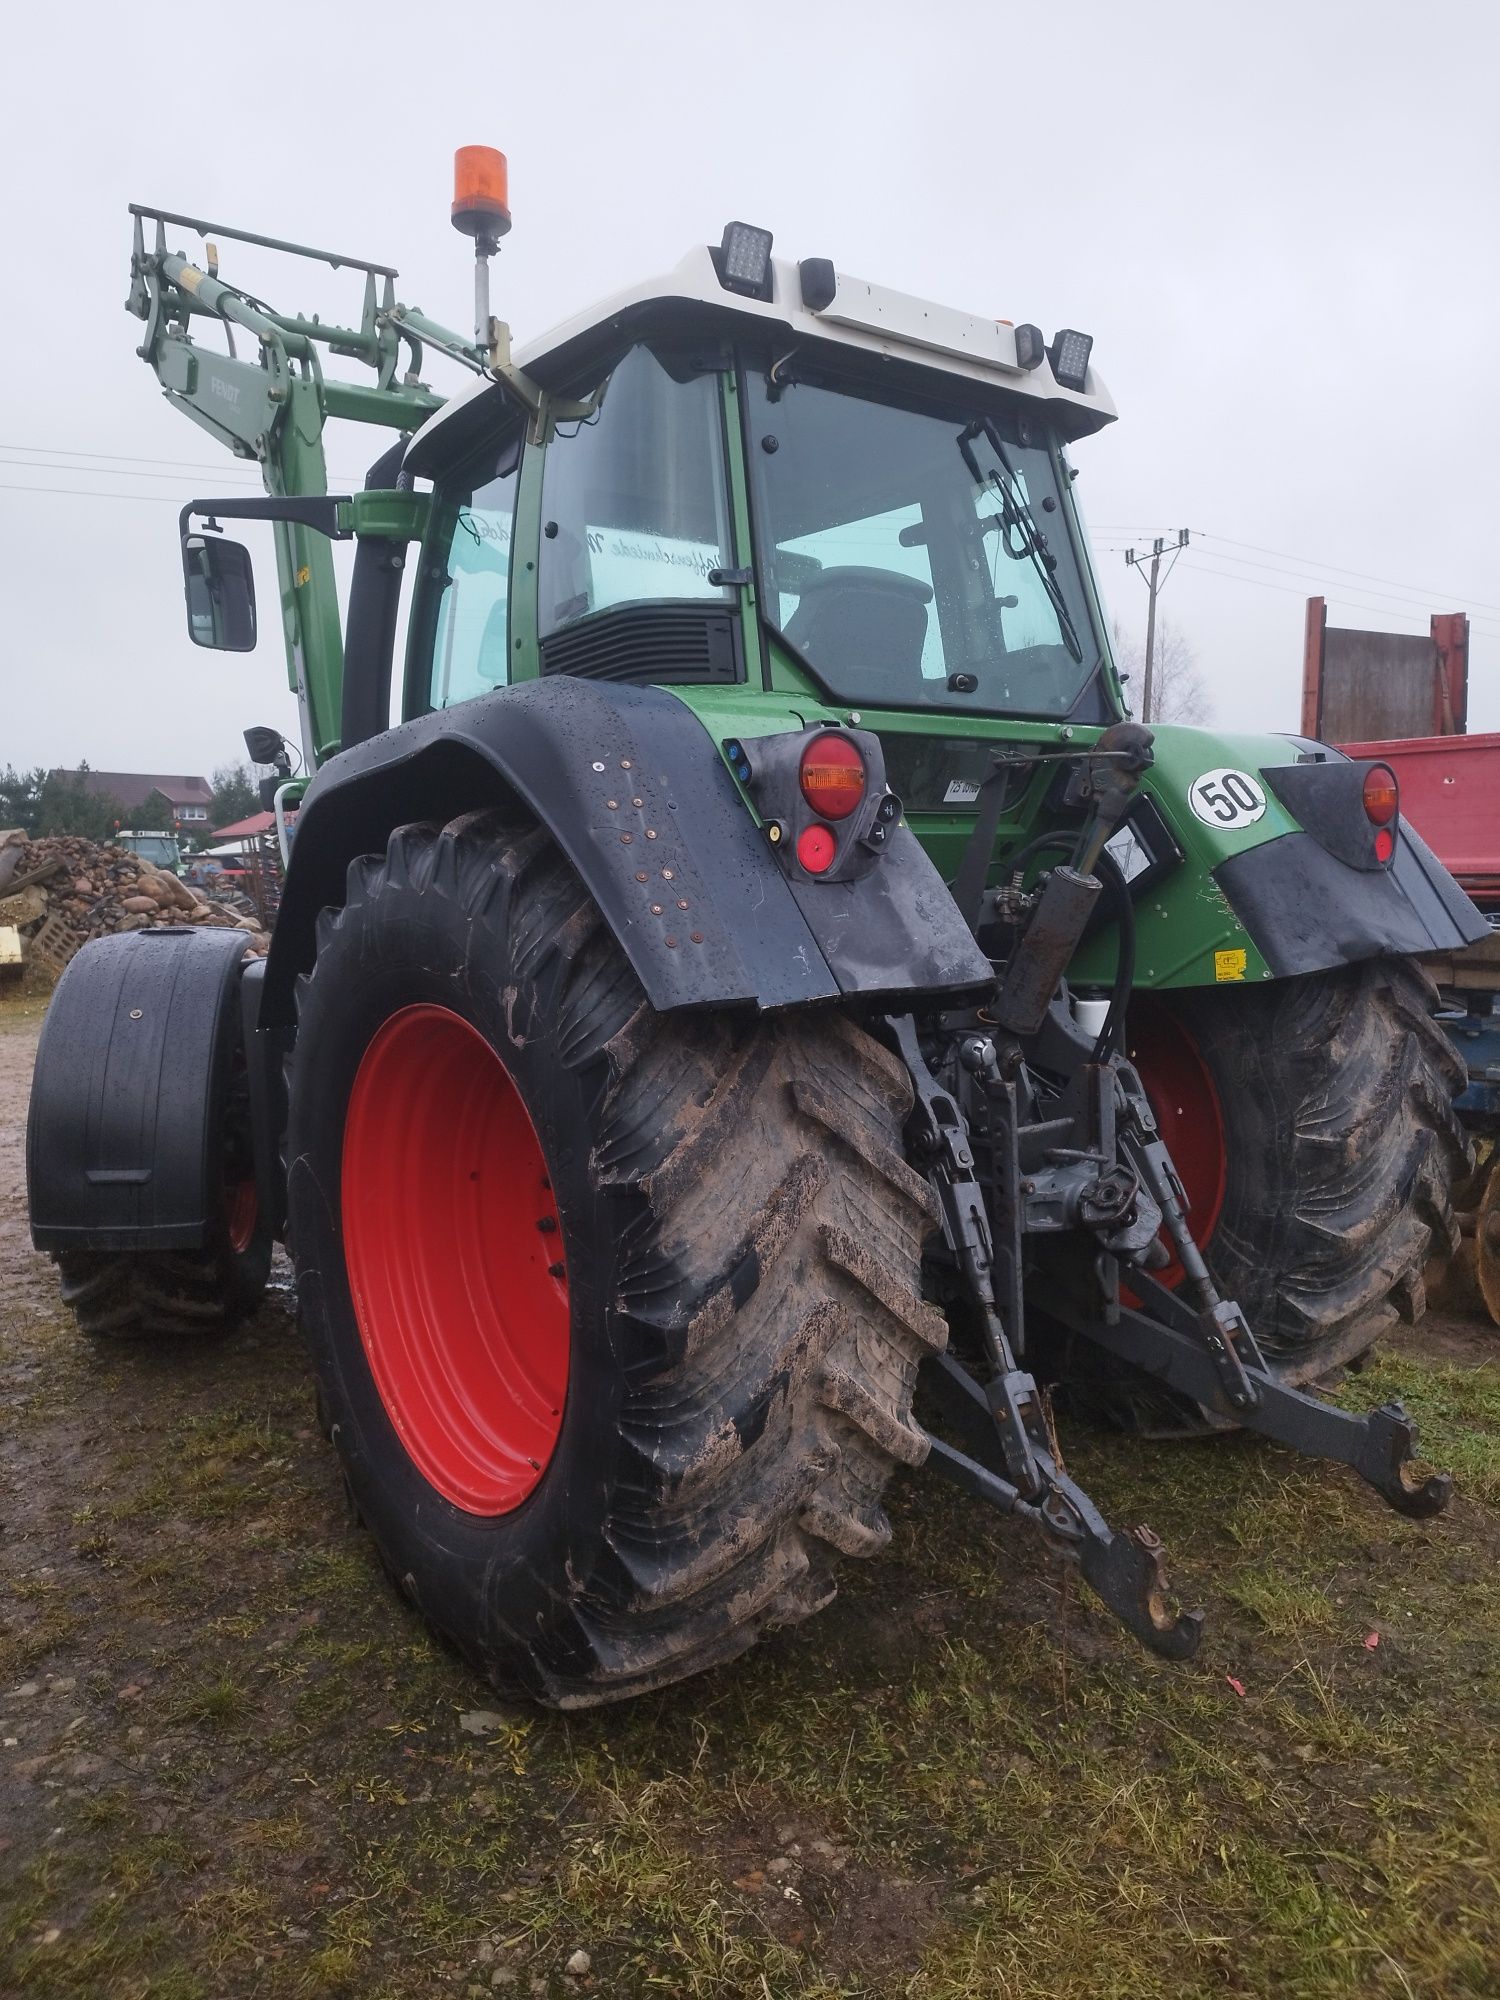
{"points": [[766, 1014]]}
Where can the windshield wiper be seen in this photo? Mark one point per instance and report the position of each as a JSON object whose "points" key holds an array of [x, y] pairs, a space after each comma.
{"points": [[1016, 519]]}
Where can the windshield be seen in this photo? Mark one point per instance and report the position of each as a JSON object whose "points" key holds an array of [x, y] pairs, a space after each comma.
{"points": [[158, 847], [915, 559]]}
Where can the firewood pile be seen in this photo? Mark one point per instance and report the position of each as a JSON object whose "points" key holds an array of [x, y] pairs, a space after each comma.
{"points": [[64, 890]]}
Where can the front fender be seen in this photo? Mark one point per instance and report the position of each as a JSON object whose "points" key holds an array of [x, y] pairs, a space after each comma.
{"points": [[634, 791], [123, 1134]]}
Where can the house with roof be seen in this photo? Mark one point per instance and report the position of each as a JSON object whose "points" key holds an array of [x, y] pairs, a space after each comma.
{"points": [[190, 798]]}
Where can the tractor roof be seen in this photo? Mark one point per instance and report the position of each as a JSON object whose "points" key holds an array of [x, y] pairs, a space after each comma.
{"points": [[868, 326]]}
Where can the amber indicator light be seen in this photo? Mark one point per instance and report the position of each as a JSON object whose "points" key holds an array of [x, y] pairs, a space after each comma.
{"points": [[832, 776], [1381, 795]]}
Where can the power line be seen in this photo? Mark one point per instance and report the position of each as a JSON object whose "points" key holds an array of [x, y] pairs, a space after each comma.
{"points": [[1309, 565], [1364, 575], [117, 457], [1372, 601], [104, 472], [129, 458], [1409, 612], [1417, 601], [1414, 603], [1364, 600], [88, 493]]}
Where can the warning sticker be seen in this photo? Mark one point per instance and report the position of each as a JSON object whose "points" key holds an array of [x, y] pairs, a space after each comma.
{"points": [[1229, 965]]}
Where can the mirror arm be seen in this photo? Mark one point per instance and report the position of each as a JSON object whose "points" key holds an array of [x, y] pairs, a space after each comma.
{"points": [[320, 512]]}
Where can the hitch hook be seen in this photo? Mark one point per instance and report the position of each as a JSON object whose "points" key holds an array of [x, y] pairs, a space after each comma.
{"points": [[1126, 1568], [1391, 1445], [1129, 1573]]}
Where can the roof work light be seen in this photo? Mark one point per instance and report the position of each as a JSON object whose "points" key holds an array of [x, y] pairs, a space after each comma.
{"points": [[743, 260], [1069, 355], [1030, 347]]}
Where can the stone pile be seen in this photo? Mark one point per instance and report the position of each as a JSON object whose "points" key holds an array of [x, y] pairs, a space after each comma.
{"points": [[64, 890]]}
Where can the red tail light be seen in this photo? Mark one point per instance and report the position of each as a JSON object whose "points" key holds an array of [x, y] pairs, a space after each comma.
{"points": [[832, 776], [1381, 795]]}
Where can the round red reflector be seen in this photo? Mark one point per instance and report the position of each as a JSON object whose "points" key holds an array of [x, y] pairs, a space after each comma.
{"points": [[816, 848], [1385, 844], [1380, 795], [832, 776]]}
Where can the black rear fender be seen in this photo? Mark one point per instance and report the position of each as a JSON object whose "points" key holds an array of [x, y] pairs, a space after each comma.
{"points": [[633, 790]]}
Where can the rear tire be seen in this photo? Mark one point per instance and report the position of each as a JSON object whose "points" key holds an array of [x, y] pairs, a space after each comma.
{"points": [[742, 1243], [1340, 1149]]}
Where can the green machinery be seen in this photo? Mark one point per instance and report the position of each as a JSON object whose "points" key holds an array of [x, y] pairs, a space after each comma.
{"points": [[765, 1013]]}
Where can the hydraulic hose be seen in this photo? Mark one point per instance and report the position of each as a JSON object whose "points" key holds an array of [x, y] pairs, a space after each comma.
{"points": [[1112, 1034]]}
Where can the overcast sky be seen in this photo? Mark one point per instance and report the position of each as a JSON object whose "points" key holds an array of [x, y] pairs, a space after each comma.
{"points": [[1278, 221]]}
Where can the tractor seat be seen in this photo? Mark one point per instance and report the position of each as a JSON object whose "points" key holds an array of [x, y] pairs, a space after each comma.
{"points": [[870, 622]]}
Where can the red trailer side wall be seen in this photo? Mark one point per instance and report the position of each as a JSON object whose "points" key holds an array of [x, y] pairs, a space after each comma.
{"points": [[1450, 791]]}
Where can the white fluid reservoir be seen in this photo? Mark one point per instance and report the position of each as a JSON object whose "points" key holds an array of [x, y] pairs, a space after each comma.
{"points": [[1089, 1014]]}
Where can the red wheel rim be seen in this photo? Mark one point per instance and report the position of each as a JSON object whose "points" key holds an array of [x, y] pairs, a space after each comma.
{"points": [[1188, 1112], [455, 1259], [241, 1213]]}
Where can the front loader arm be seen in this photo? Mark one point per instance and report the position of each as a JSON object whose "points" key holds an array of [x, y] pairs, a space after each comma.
{"points": [[273, 409]]}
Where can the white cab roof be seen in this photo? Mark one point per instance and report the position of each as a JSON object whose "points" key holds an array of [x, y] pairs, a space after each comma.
{"points": [[940, 340]]}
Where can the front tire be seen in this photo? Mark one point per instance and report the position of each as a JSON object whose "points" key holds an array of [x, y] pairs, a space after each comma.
{"points": [[716, 1411], [1313, 1122]]}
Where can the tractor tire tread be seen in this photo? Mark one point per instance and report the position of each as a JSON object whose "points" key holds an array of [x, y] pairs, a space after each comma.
{"points": [[1330, 1251], [173, 1295], [769, 1275]]}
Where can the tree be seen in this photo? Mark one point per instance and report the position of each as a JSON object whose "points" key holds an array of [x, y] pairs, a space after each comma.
{"points": [[158, 814], [21, 797], [1179, 692], [64, 805], [235, 795]]}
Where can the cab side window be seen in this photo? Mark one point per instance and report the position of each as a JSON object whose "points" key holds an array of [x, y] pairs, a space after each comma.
{"points": [[470, 551], [634, 506]]}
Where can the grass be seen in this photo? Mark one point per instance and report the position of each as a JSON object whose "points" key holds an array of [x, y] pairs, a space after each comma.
{"points": [[242, 1770], [909, 1796]]}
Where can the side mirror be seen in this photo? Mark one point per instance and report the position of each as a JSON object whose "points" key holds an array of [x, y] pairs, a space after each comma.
{"points": [[220, 585]]}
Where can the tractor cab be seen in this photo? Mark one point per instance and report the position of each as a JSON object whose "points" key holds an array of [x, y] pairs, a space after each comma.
{"points": [[760, 472]]}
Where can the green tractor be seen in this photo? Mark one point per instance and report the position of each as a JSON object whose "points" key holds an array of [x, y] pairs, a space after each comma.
{"points": [[766, 1014]]}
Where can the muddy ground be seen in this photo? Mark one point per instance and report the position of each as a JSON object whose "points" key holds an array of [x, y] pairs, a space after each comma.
{"points": [[231, 1763]]}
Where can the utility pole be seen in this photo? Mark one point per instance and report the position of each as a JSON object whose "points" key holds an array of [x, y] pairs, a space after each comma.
{"points": [[1154, 582]]}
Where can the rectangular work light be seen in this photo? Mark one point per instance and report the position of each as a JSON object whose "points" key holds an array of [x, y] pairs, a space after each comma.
{"points": [[743, 260], [1069, 355], [1030, 347]]}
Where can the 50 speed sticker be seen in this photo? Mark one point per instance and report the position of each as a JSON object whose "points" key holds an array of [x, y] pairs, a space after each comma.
{"points": [[1226, 798]]}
